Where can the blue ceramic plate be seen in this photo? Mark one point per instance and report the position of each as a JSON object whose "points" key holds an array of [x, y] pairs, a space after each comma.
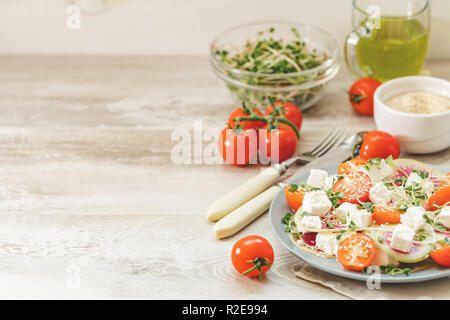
{"points": [[278, 209]]}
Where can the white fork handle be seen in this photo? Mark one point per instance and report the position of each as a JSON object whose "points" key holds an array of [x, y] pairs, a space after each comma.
{"points": [[245, 192], [245, 214]]}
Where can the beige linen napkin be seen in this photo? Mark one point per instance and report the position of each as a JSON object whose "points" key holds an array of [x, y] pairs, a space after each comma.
{"points": [[353, 289]]}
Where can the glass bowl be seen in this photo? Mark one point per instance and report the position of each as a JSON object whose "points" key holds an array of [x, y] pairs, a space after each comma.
{"points": [[303, 88]]}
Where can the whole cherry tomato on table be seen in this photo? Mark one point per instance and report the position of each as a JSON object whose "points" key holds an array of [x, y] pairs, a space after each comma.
{"points": [[361, 95], [245, 112], [290, 111], [238, 147], [379, 144], [282, 140], [252, 256]]}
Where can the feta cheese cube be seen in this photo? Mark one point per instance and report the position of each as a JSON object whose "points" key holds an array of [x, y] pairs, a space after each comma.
{"points": [[426, 184], [380, 195], [327, 243], [413, 178], [344, 210], [317, 178], [402, 238], [444, 217], [310, 223], [316, 203], [329, 182], [377, 174], [361, 218], [413, 218]]}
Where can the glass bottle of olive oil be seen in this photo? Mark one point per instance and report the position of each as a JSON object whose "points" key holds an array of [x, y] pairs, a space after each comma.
{"points": [[397, 48]]}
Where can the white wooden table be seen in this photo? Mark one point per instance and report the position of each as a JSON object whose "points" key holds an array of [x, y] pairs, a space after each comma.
{"points": [[92, 205]]}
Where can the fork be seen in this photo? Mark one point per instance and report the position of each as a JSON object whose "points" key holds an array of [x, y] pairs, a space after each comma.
{"points": [[253, 187]]}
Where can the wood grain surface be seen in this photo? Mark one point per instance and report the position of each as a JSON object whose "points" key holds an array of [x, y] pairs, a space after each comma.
{"points": [[91, 202]]}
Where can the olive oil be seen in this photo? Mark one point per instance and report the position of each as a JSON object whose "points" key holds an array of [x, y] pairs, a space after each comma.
{"points": [[398, 48]]}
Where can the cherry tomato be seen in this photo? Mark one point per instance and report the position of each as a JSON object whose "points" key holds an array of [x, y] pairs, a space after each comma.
{"points": [[356, 252], [238, 148], [352, 165], [446, 181], [439, 198], [252, 256], [240, 112], [384, 215], [442, 256], [355, 187], [295, 198], [379, 144], [282, 140], [291, 112], [361, 95]]}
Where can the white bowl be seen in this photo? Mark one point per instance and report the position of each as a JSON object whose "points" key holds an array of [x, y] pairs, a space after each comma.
{"points": [[417, 133]]}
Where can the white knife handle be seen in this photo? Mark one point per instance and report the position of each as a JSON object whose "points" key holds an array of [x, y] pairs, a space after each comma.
{"points": [[246, 191], [245, 214]]}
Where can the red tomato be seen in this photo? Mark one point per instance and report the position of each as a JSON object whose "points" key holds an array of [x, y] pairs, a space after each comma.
{"points": [[352, 165], [283, 141], [238, 149], [291, 112], [356, 252], [240, 112], [379, 144], [252, 256], [384, 215], [294, 199], [439, 198], [442, 256], [355, 187], [361, 95]]}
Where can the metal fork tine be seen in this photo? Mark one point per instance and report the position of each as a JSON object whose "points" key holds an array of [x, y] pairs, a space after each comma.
{"points": [[336, 133], [330, 134], [337, 138]]}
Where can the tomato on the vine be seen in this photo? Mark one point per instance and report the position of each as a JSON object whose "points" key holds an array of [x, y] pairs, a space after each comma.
{"points": [[290, 111], [283, 141], [361, 95], [252, 256], [238, 147], [245, 112], [379, 144]]}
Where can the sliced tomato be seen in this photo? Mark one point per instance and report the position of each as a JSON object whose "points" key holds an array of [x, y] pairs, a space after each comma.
{"points": [[294, 198], [446, 181], [355, 187], [356, 252], [383, 215], [439, 198], [350, 166], [442, 256]]}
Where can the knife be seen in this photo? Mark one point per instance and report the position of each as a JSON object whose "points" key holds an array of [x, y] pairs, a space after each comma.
{"points": [[249, 211]]}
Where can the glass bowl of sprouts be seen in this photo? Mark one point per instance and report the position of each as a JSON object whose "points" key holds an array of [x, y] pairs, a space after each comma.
{"points": [[285, 61]]}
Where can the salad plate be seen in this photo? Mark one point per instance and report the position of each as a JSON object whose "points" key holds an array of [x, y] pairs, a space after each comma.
{"points": [[279, 208]]}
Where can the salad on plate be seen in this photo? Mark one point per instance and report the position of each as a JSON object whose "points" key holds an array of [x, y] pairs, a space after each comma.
{"points": [[393, 214]]}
